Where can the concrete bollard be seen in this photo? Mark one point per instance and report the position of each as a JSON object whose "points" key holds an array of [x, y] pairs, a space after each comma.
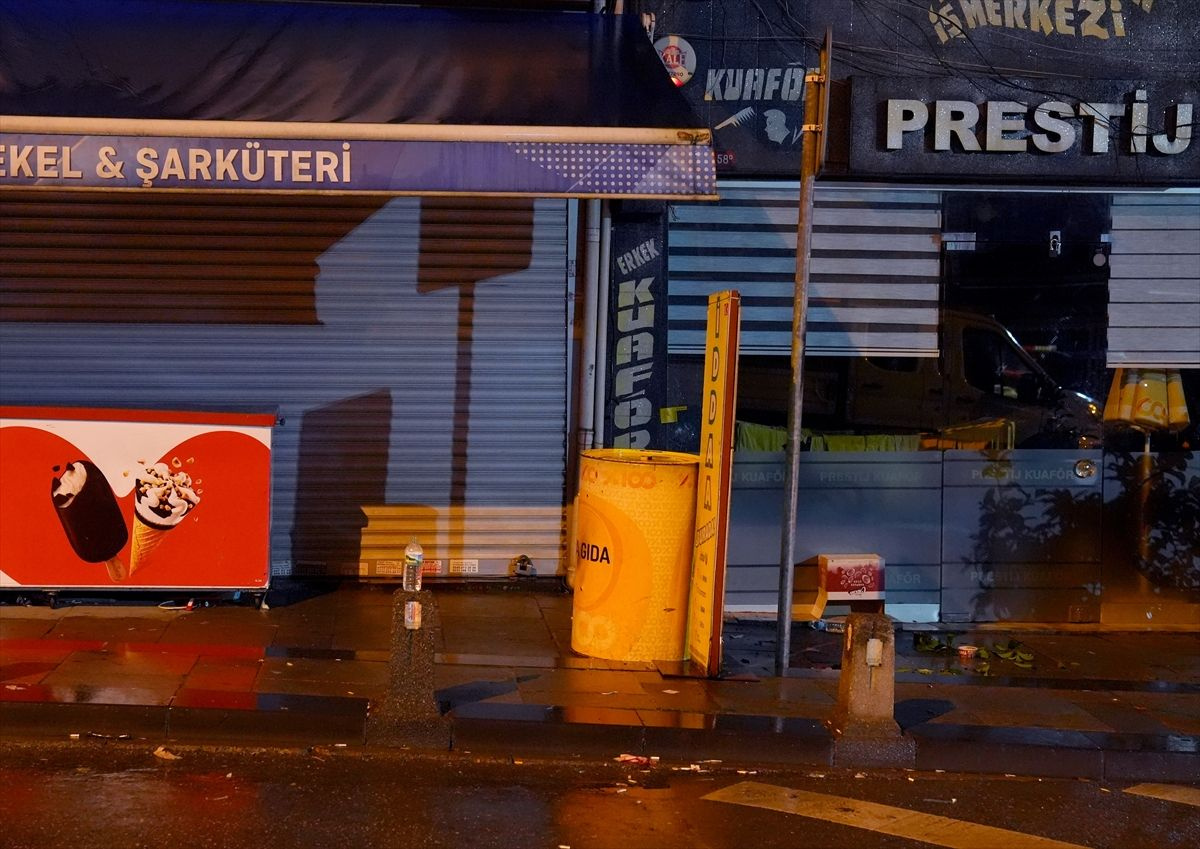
{"points": [[864, 723], [408, 713]]}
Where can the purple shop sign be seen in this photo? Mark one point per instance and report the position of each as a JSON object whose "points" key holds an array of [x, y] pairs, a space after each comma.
{"points": [[399, 167]]}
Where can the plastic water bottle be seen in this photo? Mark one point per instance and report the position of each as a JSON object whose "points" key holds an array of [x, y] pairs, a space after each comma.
{"points": [[414, 559]]}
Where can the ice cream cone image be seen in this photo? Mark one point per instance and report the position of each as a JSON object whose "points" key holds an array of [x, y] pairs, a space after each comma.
{"points": [[145, 540], [162, 499]]}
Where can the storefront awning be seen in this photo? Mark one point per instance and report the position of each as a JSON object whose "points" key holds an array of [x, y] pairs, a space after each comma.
{"points": [[337, 97]]}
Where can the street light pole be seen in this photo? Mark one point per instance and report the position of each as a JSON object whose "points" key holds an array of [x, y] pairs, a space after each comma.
{"points": [[812, 156]]}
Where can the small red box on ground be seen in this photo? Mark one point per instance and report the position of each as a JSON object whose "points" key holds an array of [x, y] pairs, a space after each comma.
{"points": [[852, 577]]}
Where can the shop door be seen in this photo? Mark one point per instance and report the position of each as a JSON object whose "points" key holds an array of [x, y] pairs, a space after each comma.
{"points": [[1026, 285]]}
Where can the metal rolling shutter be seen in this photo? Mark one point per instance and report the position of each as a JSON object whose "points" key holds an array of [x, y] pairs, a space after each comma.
{"points": [[415, 349], [874, 277], [1154, 282]]}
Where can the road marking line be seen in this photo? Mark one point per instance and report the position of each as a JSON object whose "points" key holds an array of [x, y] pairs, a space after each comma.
{"points": [[1169, 792], [911, 825]]}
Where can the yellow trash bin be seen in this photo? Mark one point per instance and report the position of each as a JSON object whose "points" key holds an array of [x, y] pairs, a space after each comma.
{"points": [[634, 521]]}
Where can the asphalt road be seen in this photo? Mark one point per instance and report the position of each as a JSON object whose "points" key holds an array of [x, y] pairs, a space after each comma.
{"points": [[99, 794]]}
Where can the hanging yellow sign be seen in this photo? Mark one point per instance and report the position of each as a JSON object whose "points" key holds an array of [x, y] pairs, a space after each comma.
{"points": [[1147, 399]]}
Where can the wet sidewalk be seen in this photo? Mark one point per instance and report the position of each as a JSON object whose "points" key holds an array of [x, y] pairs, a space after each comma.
{"points": [[309, 669]]}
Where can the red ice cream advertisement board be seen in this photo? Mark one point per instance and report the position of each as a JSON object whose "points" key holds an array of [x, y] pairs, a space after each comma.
{"points": [[128, 499]]}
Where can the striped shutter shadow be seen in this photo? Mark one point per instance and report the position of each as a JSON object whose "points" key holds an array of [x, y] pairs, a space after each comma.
{"points": [[874, 278], [1154, 283]]}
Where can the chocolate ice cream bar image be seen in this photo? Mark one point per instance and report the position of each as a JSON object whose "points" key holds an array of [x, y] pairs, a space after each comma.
{"points": [[90, 516]]}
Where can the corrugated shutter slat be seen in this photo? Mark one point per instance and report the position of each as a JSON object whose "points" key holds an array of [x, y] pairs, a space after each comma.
{"points": [[874, 272], [1154, 283]]}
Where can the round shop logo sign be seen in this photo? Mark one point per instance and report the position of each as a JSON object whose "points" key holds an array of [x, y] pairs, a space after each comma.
{"points": [[678, 57]]}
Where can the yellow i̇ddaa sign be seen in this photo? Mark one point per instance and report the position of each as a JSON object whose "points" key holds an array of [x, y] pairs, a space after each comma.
{"points": [[706, 602]]}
